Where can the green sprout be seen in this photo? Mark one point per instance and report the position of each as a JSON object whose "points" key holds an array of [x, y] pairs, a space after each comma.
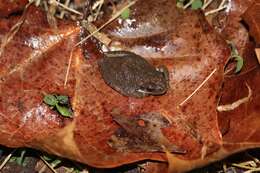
{"points": [[20, 159], [196, 4], [125, 14], [60, 103], [235, 55]]}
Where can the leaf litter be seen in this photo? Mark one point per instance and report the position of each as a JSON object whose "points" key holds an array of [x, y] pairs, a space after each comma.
{"points": [[227, 107]]}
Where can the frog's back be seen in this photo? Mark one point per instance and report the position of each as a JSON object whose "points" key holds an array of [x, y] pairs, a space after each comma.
{"points": [[125, 72]]}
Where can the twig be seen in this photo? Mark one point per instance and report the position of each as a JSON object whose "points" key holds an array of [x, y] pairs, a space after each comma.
{"points": [[188, 4], [68, 68], [221, 6], [243, 166], [206, 4], [9, 36], [236, 104], [49, 165], [98, 5], [67, 2], [65, 7], [182, 103], [109, 21], [7, 159], [253, 170], [215, 10]]}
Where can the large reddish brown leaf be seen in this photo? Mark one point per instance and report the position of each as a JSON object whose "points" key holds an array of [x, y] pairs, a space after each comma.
{"points": [[252, 18], [36, 60], [7, 7]]}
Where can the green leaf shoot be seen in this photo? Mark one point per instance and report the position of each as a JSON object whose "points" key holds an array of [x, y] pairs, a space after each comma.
{"points": [[196, 4], [240, 63], [50, 100], [60, 103], [235, 55], [125, 14], [63, 99], [64, 111]]}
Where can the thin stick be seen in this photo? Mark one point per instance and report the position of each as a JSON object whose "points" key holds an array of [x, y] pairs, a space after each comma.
{"points": [[9, 36], [222, 3], [182, 103], [109, 21], [67, 2], [236, 104], [68, 68], [49, 165], [206, 4], [215, 10], [7, 159], [188, 4], [67, 8], [253, 170]]}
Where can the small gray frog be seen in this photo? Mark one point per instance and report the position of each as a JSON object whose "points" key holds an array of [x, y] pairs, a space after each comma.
{"points": [[133, 76]]}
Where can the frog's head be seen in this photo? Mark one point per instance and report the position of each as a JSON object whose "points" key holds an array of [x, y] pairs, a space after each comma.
{"points": [[157, 85]]}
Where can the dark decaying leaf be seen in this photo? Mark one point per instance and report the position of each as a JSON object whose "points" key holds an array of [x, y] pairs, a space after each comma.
{"points": [[142, 133], [252, 18], [8, 7], [189, 54]]}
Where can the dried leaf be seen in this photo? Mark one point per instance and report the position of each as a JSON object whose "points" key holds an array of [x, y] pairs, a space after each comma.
{"points": [[252, 18], [189, 54]]}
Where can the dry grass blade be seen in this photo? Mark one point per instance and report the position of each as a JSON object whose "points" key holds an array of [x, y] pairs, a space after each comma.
{"points": [[249, 168], [67, 2], [196, 90], [221, 7], [257, 51], [6, 159], [9, 36], [52, 169], [188, 4], [109, 21], [236, 104], [98, 5], [68, 68], [206, 4], [66, 8]]}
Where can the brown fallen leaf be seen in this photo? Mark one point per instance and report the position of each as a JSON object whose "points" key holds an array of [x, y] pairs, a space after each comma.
{"points": [[8, 7], [252, 18], [35, 62]]}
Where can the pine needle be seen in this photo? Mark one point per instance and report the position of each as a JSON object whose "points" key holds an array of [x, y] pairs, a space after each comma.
{"points": [[68, 68], [196, 90], [109, 21], [7, 159], [9, 36], [221, 7], [66, 7], [49, 165]]}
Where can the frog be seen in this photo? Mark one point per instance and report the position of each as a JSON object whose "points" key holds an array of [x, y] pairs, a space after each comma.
{"points": [[132, 75]]}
